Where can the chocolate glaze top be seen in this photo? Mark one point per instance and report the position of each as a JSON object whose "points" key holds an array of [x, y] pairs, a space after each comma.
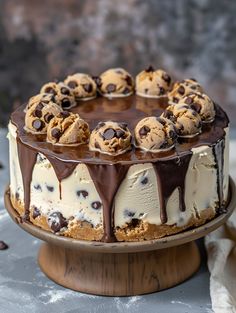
{"points": [[128, 109]]}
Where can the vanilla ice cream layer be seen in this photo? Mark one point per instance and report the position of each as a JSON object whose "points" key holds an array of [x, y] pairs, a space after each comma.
{"points": [[137, 197]]}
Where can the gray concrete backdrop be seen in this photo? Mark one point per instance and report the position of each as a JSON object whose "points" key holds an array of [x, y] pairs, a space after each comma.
{"points": [[41, 40]]}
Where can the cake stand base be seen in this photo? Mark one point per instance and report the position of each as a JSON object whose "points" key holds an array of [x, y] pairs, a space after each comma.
{"points": [[119, 274]]}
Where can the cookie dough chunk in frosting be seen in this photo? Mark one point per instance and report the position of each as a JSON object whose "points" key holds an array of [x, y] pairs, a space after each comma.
{"points": [[62, 93], [187, 121], [115, 82], [183, 88], [152, 83], [83, 86], [155, 134], [110, 138], [202, 104], [39, 115], [68, 129]]}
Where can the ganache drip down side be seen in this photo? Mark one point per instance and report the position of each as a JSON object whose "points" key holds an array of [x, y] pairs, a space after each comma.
{"points": [[171, 175]]}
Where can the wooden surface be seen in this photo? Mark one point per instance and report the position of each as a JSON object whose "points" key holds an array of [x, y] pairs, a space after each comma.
{"points": [[121, 268]]}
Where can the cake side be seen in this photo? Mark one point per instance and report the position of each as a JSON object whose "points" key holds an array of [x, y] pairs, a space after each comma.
{"points": [[74, 208]]}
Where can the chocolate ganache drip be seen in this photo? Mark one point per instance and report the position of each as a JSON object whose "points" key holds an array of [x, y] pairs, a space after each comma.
{"points": [[218, 151], [171, 174], [107, 179], [62, 169], [27, 159]]}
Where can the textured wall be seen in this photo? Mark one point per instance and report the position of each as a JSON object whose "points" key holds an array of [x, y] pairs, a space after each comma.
{"points": [[41, 40]]}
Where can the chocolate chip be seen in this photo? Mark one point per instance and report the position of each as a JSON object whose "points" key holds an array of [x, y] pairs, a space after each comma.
{"points": [[97, 146], [175, 100], [188, 100], [88, 87], [96, 205], [64, 114], [196, 107], [149, 69], [111, 88], [146, 90], [50, 90], [181, 90], [38, 124], [38, 110], [38, 187], [97, 80], [50, 188], [161, 91], [193, 79], [84, 193], [36, 212], [126, 91], [57, 221], [128, 213], [48, 117], [129, 80], [193, 87], [3, 245], [120, 133], [72, 84], [65, 103], [56, 133], [144, 131], [166, 78], [17, 196], [134, 222], [109, 133], [65, 91], [144, 181], [167, 114]]}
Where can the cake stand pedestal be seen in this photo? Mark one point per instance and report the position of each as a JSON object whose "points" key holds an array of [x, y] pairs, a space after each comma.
{"points": [[121, 269]]}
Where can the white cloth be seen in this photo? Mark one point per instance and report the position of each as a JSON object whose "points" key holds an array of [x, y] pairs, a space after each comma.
{"points": [[221, 250]]}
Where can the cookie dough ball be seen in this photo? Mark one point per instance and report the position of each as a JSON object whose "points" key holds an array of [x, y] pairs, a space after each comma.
{"points": [[39, 115], [155, 134], [68, 129], [83, 86], [115, 82], [41, 97], [183, 88], [63, 94], [152, 83], [110, 138], [187, 121], [202, 104]]}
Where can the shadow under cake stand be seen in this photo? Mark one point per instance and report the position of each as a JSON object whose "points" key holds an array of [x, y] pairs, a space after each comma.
{"points": [[121, 268]]}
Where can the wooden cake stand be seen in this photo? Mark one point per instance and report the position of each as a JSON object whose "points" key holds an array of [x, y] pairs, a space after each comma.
{"points": [[121, 269]]}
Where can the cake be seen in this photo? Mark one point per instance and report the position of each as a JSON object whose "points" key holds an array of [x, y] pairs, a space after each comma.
{"points": [[112, 158]]}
